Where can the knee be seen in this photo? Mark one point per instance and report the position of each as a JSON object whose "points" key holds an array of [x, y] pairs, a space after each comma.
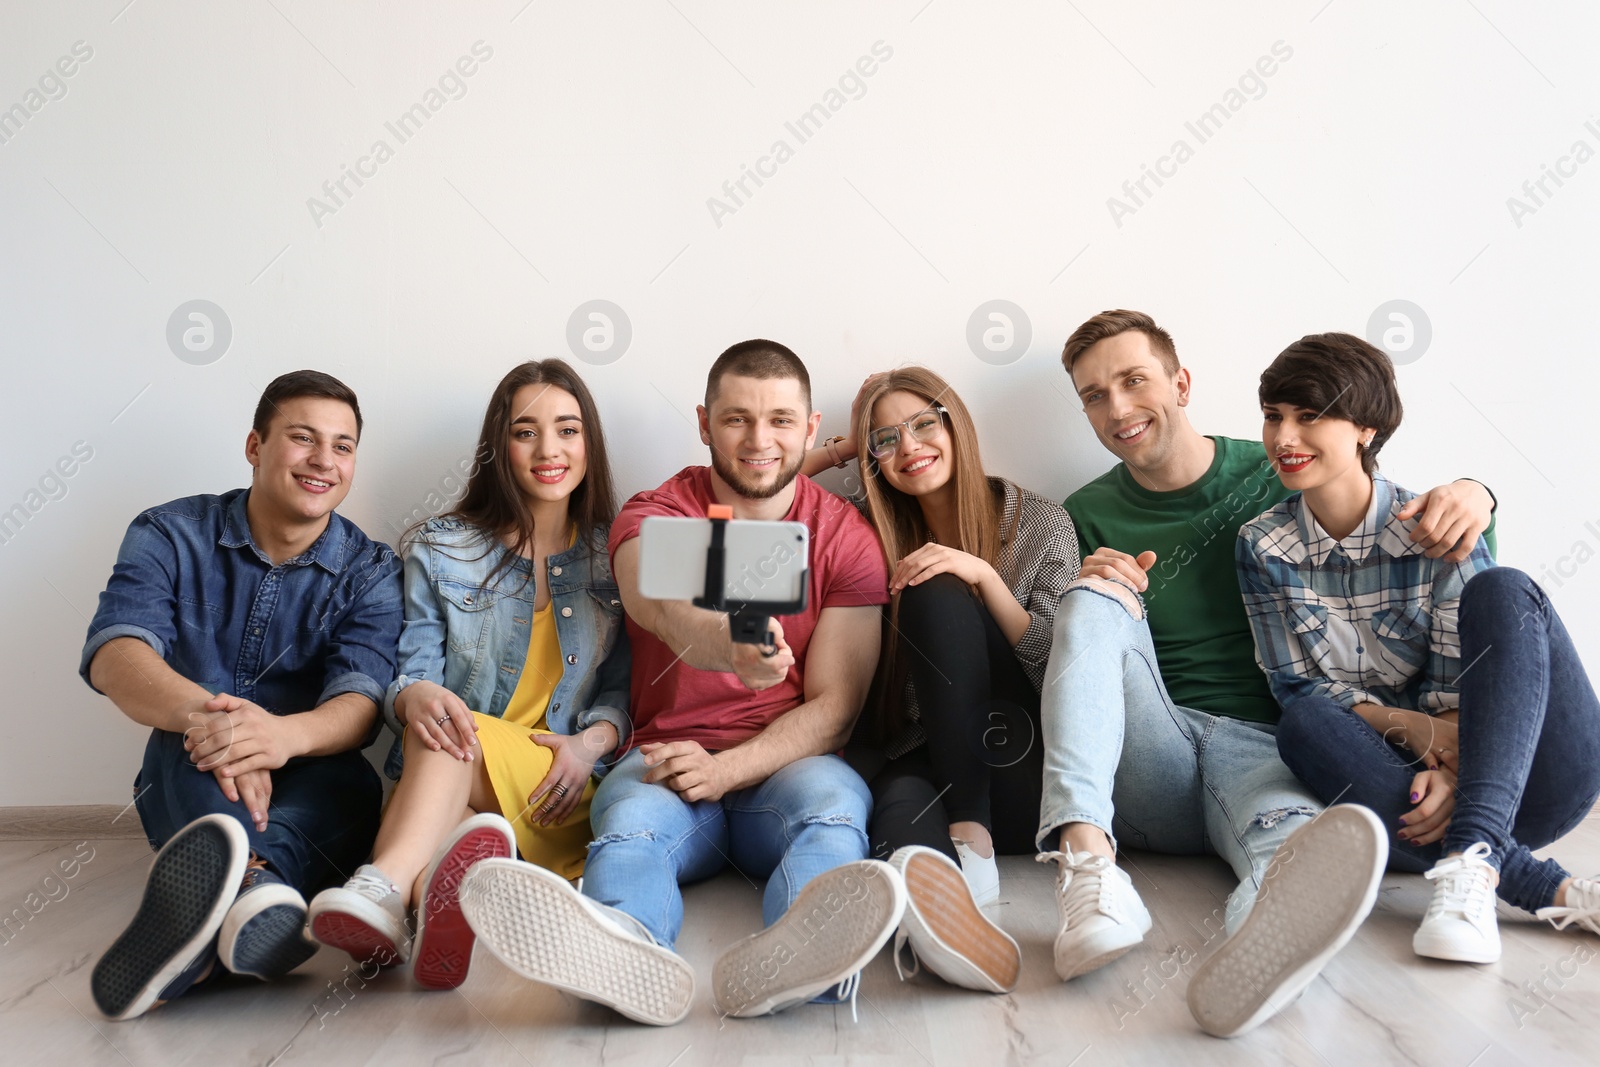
{"points": [[1501, 586], [1091, 601], [935, 602], [836, 795]]}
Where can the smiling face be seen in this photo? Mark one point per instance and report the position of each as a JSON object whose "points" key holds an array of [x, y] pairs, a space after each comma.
{"points": [[1311, 450], [305, 461], [545, 443], [1133, 402], [916, 468], [759, 430]]}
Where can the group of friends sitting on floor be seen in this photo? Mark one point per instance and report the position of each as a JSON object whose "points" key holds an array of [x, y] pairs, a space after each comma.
{"points": [[1264, 650]]}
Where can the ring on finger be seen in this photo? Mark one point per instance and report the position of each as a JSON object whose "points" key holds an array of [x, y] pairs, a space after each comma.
{"points": [[559, 789], [441, 720]]}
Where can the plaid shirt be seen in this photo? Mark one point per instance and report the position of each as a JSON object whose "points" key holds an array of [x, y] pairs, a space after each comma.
{"points": [[1369, 619]]}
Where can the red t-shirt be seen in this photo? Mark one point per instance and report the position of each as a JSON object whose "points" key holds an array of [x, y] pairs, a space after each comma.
{"points": [[672, 701]]}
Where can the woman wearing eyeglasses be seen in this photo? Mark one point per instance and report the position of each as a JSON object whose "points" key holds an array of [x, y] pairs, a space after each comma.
{"points": [[951, 749]]}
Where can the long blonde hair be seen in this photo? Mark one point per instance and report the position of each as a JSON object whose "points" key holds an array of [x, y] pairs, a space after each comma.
{"points": [[897, 517]]}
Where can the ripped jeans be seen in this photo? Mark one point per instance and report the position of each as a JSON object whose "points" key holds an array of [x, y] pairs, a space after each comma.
{"points": [[1121, 756], [809, 817]]}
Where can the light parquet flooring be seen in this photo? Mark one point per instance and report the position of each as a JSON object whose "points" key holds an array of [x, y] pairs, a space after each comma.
{"points": [[1376, 1003]]}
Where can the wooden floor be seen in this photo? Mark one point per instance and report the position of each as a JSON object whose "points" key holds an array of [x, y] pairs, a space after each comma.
{"points": [[1375, 1003]]}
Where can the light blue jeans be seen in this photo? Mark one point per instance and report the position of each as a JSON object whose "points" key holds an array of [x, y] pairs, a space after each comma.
{"points": [[1121, 756], [809, 817]]}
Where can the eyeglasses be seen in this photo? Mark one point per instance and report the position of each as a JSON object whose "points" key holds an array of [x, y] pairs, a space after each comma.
{"points": [[923, 426]]}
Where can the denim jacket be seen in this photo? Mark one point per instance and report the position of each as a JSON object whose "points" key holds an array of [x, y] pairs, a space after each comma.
{"points": [[474, 641]]}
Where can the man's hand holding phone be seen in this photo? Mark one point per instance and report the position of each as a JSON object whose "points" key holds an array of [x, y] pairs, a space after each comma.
{"points": [[762, 666]]}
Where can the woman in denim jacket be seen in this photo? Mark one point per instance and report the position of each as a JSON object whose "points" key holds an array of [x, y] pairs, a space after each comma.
{"points": [[514, 679]]}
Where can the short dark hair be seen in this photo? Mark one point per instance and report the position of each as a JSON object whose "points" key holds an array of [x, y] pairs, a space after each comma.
{"points": [[299, 383], [758, 358], [1110, 324], [1341, 376]]}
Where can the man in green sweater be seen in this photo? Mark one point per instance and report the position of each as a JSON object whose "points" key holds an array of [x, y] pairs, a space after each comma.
{"points": [[1158, 724]]}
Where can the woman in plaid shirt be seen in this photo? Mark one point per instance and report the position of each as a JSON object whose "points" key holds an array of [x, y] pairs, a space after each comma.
{"points": [[1443, 693]]}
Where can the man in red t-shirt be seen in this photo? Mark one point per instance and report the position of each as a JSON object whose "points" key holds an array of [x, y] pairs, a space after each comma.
{"points": [[732, 755]]}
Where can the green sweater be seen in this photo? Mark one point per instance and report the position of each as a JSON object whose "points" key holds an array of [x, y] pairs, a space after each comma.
{"points": [[1203, 643], [1204, 647]]}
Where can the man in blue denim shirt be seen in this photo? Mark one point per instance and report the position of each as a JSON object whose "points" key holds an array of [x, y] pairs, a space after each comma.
{"points": [[255, 633]]}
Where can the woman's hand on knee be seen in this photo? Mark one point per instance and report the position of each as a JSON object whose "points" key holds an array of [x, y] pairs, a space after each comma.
{"points": [[1434, 793], [439, 718], [558, 793]]}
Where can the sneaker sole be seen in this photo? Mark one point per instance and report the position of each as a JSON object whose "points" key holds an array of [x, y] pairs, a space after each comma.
{"points": [[443, 951], [536, 924], [967, 949], [837, 923], [1317, 890], [262, 934], [192, 883], [341, 927]]}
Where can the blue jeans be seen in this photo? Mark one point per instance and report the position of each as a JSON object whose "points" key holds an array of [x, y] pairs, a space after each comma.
{"points": [[321, 820], [809, 817], [1529, 739], [1121, 756]]}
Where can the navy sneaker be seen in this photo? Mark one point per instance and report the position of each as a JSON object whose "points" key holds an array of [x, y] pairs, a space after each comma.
{"points": [[262, 933], [170, 944]]}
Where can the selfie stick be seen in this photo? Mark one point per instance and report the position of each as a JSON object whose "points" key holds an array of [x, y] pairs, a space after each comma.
{"points": [[747, 619]]}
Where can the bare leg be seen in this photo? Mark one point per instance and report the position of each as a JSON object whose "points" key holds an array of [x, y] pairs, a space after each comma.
{"points": [[435, 793], [976, 835], [1083, 837]]}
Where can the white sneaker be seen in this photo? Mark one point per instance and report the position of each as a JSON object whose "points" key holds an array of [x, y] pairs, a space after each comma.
{"points": [[1582, 906], [837, 923], [1318, 888], [947, 930], [363, 917], [1101, 913], [546, 931], [981, 872], [1460, 923]]}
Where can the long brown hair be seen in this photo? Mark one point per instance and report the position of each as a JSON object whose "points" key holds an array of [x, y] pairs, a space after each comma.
{"points": [[897, 517], [493, 500]]}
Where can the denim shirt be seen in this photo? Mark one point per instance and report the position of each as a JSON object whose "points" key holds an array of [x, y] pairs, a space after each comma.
{"points": [[474, 641], [190, 582]]}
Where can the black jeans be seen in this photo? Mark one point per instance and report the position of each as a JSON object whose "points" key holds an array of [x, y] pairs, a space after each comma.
{"points": [[984, 757], [1529, 733]]}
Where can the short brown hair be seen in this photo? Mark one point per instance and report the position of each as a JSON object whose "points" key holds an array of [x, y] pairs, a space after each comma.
{"points": [[299, 383], [758, 358], [1110, 324], [1343, 377]]}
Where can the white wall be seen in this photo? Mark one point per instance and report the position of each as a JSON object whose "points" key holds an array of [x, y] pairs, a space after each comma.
{"points": [[1375, 164]]}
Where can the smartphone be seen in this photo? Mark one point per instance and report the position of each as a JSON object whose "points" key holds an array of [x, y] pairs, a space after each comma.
{"points": [[764, 563]]}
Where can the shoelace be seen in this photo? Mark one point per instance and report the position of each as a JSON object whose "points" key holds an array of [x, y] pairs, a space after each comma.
{"points": [[1083, 887], [255, 867], [372, 886], [1586, 912], [1464, 880], [900, 946], [849, 988]]}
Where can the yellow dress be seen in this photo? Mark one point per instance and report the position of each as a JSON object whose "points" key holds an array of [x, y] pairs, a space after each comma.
{"points": [[516, 765]]}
